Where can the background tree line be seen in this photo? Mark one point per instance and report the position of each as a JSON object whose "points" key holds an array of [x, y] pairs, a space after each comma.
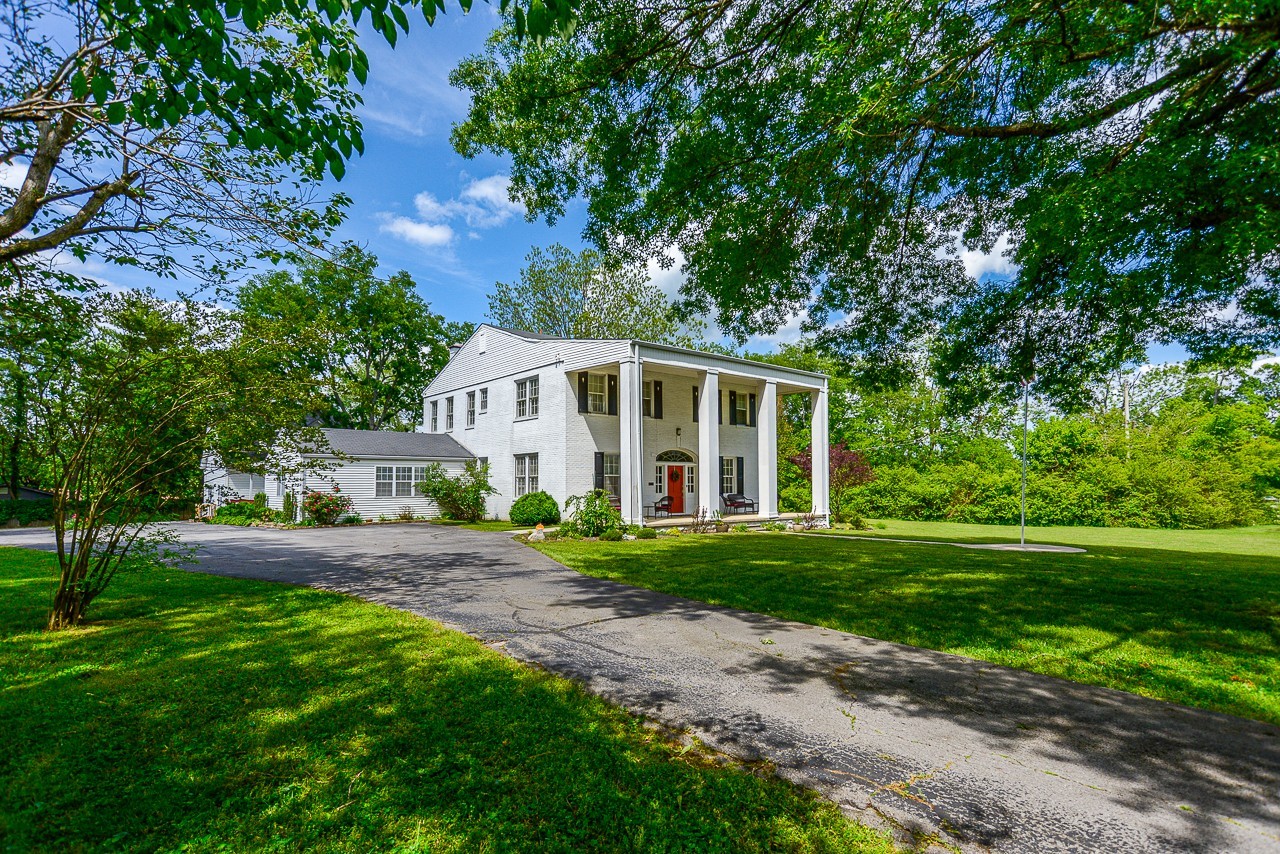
{"points": [[1173, 446]]}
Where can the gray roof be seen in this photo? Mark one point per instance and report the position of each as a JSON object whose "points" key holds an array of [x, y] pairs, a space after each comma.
{"points": [[532, 336], [387, 443]]}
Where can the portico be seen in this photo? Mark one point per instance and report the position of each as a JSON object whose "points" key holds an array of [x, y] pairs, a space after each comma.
{"points": [[707, 425]]}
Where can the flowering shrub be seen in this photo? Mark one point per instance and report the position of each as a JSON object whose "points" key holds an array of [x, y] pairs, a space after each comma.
{"points": [[326, 507]]}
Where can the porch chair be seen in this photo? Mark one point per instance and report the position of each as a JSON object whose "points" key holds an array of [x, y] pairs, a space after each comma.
{"points": [[736, 502], [661, 506]]}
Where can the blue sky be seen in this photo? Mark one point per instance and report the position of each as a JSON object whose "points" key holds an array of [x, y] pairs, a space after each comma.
{"points": [[418, 205]]}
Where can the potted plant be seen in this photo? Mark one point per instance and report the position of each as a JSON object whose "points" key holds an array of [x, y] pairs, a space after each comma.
{"points": [[718, 521]]}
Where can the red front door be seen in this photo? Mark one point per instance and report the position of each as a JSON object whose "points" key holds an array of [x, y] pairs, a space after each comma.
{"points": [[675, 488]]}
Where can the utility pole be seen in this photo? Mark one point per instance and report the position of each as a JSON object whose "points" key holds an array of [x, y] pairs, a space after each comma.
{"points": [[1026, 417], [1124, 384]]}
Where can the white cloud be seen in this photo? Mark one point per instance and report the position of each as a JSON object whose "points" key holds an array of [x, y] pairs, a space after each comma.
{"points": [[669, 280], [483, 203], [996, 262], [788, 333], [419, 233], [12, 175]]}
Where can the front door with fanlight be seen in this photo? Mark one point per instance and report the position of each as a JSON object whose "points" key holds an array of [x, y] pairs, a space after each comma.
{"points": [[675, 488]]}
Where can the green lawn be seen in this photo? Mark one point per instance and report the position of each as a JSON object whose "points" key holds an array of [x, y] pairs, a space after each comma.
{"points": [[1263, 540], [483, 525], [1191, 617], [209, 714]]}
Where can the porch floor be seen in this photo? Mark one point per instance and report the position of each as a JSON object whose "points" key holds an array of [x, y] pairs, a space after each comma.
{"points": [[729, 518]]}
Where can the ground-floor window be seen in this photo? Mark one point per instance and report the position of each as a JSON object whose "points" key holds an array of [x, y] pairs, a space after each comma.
{"points": [[613, 474], [383, 482], [526, 474], [404, 481], [728, 476]]}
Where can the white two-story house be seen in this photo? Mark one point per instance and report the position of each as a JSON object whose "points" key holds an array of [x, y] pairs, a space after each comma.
{"points": [[666, 430]]}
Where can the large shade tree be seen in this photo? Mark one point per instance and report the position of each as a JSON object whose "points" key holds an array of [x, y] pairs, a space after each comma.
{"points": [[371, 344], [135, 128], [183, 138], [825, 158]]}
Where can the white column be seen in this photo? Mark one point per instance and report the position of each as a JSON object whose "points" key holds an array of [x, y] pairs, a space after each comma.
{"points": [[709, 443], [629, 424], [767, 448], [821, 454]]}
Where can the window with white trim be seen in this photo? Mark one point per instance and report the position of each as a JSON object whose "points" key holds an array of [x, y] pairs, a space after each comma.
{"points": [[471, 409], [435, 416], [597, 394], [648, 398], [740, 404], [484, 400], [527, 398], [613, 474], [448, 413], [419, 475], [728, 475], [688, 480], [383, 482], [404, 481], [526, 474], [658, 477]]}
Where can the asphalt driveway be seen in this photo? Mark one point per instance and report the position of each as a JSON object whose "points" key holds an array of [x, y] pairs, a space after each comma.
{"points": [[986, 757]]}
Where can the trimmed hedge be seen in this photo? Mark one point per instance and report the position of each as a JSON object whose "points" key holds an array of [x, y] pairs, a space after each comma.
{"points": [[535, 508]]}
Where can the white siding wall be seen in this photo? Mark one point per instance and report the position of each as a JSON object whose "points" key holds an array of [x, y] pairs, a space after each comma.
{"points": [[355, 479]]}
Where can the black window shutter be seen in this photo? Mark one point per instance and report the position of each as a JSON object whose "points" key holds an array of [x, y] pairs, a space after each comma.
{"points": [[582, 391], [695, 404], [613, 394], [657, 398], [738, 484], [599, 469], [720, 407], [751, 410], [733, 408]]}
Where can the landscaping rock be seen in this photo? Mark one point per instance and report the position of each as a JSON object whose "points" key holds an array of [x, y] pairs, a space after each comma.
{"points": [[537, 537]]}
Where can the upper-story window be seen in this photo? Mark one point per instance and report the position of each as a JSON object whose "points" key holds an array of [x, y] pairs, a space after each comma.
{"points": [[435, 416], [471, 409], [597, 393], [448, 413], [484, 400], [740, 404], [527, 398]]}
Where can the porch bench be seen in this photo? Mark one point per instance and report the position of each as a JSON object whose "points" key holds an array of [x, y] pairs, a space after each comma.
{"points": [[736, 502]]}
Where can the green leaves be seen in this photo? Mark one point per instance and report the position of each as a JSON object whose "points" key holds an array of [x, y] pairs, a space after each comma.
{"points": [[825, 159]]}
